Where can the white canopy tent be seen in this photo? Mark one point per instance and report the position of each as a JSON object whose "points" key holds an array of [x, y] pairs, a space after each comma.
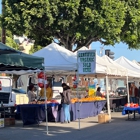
{"points": [[131, 66], [83, 48], [135, 62], [128, 64], [57, 59], [130, 72]]}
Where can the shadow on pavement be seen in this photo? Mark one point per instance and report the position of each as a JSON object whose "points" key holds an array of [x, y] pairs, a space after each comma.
{"points": [[118, 128]]}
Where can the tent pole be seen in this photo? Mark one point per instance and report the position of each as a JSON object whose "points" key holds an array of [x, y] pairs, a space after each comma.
{"points": [[77, 79], [108, 102], [128, 99], [45, 103]]}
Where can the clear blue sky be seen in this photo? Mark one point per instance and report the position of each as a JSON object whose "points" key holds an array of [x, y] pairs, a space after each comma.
{"points": [[119, 49], [0, 5]]}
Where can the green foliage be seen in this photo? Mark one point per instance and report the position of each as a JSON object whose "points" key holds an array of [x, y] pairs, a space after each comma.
{"points": [[35, 48], [9, 38], [73, 22], [11, 43]]}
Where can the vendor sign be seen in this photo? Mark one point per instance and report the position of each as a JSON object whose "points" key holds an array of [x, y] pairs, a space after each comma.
{"points": [[86, 61]]}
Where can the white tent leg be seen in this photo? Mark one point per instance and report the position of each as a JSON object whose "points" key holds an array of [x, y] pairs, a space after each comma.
{"points": [[108, 102], [78, 101], [45, 104], [128, 99]]}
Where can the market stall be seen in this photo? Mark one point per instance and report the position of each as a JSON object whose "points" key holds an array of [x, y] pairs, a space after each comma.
{"points": [[16, 62], [94, 108]]}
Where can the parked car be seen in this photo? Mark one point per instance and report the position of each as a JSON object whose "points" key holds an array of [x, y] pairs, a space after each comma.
{"points": [[122, 91]]}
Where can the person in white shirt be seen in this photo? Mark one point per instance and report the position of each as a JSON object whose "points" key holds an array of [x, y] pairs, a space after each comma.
{"points": [[31, 94]]}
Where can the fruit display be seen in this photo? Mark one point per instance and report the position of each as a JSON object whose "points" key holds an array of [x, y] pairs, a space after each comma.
{"points": [[43, 102], [131, 105], [88, 99]]}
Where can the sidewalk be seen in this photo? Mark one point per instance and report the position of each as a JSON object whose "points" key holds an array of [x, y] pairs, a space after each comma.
{"points": [[117, 129]]}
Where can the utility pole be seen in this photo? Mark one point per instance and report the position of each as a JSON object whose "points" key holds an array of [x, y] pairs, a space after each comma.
{"points": [[3, 37], [101, 51]]}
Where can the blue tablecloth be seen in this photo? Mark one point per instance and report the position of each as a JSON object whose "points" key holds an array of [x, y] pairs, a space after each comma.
{"points": [[130, 109], [31, 113], [41, 106], [87, 109]]}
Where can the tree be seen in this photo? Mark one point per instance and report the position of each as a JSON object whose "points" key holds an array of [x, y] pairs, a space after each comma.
{"points": [[9, 38], [74, 23]]}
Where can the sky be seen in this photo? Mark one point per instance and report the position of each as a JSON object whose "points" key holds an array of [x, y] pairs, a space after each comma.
{"points": [[119, 49], [0, 6]]}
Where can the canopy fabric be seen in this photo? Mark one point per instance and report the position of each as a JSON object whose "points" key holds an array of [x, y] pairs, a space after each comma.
{"points": [[111, 69], [128, 72], [83, 48], [4, 49], [57, 58], [119, 69], [135, 62], [20, 63], [128, 64]]}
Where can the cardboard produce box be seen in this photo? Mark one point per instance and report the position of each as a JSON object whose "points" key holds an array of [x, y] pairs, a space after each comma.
{"points": [[9, 121], [1, 122], [103, 118]]}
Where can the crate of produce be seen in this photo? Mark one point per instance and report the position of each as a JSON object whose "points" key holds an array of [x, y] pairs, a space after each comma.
{"points": [[9, 121]]}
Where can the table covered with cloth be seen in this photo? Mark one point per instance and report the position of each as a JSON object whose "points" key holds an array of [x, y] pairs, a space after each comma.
{"points": [[128, 110], [33, 113], [87, 109]]}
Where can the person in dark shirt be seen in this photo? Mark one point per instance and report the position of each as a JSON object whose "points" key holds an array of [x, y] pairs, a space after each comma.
{"points": [[98, 92], [65, 96]]}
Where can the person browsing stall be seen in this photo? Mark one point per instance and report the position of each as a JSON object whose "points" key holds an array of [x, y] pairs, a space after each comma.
{"points": [[65, 95], [31, 94], [49, 92], [98, 92]]}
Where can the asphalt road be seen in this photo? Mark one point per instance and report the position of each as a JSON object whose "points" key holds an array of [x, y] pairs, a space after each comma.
{"points": [[90, 129]]}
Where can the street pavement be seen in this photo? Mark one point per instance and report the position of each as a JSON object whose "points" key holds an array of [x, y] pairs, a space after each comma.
{"points": [[119, 128]]}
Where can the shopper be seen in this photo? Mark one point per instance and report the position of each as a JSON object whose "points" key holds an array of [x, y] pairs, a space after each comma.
{"points": [[133, 91], [31, 94], [65, 96]]}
